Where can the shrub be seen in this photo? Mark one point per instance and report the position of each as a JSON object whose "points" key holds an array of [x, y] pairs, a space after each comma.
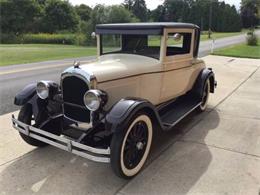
{"points": [[251, 38], [44, 38], [8, 38], [49, 38]]}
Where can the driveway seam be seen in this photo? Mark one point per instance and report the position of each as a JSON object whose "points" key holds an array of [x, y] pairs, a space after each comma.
{"points": [[197, 122], [179, 136], [239, 116], [20, 157], [234, 90], [218, 147]]}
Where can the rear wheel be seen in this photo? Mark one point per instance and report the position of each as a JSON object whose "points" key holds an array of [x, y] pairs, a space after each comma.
{"points": [[25, 116], [205, 97], [131, 146]]}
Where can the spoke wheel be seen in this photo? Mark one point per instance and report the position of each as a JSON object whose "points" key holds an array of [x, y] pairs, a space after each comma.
{"points": [[130, 147], [135, 145]]}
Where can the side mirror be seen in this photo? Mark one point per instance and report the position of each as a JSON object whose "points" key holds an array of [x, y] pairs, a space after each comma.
{"points": [[93, 35], [176, 37]]}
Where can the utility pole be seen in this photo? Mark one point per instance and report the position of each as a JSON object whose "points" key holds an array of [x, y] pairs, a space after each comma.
{"points": [[201, 24], [210, 19]]}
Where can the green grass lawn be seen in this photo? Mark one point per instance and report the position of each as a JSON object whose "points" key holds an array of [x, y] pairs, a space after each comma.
{"points": [[18, 53], [155, 41], [26, 53], [216, 35], [241, 50]]}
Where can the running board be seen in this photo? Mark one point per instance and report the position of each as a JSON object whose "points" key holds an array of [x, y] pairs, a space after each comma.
{"points": [[179, 109]]}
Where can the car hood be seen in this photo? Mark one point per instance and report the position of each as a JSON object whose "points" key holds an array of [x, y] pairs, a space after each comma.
{"points": [[115, 66]]}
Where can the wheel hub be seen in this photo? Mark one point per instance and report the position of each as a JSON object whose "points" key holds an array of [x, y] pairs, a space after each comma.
{"points": [[139, 145]]}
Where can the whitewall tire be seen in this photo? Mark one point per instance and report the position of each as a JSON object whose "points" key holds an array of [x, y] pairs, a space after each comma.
{"points": [[131, 146], [205, 97]]}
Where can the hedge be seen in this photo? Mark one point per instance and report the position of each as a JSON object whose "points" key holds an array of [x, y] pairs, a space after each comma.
{"points": [[42, 38]]}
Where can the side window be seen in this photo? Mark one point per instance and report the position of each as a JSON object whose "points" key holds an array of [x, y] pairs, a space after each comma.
{"points": [[178, 43], [111, 43]]}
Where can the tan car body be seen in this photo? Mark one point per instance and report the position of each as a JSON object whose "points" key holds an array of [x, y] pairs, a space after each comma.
{"points": [[158, 81]]}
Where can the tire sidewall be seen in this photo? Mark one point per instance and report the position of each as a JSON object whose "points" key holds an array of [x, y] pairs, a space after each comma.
{"points": [[204, 106], [25, 116], [118, 143]]}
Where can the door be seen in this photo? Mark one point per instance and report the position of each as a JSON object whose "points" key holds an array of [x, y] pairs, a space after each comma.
{"points": [[177, 63]]}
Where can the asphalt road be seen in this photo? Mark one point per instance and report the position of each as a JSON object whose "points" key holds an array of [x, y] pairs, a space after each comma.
{"points": [[16, 77]]}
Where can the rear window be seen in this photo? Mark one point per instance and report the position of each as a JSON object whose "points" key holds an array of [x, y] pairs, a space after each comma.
{"points": [[178, 43]]}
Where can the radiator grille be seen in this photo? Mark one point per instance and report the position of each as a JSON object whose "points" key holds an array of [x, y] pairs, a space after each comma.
{"points": [[73, 90]]}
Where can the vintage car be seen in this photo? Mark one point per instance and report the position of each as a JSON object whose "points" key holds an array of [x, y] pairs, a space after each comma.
{"points": [[147, 77]]}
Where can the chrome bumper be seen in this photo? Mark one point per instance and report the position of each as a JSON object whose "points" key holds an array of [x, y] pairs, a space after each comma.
{"points": [[64, 143]]}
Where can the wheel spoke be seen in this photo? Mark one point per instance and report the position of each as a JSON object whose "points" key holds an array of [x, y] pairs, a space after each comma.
{"points": [[133, 152]]}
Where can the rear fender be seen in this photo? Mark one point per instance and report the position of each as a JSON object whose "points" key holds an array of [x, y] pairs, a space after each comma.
{"points": [[205, 74]]}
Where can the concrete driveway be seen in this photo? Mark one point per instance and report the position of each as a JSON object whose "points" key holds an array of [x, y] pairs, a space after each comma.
{"points": [[217, 152]]}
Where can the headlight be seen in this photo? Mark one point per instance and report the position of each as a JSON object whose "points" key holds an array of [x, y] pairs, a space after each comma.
{"points": [[42, 89], [93, 99]]}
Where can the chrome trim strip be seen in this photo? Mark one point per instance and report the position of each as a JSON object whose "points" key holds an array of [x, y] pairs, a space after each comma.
{"points": [[89, 77], [90, 149], [63, 143]]}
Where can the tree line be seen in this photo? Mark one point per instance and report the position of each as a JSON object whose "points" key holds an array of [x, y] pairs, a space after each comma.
{"points": [[57, 16]]}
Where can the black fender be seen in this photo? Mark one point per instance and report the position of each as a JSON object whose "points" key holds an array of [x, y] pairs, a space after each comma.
{"points": [[206, 73], [42, 109], [25, 95], [28, 95], [122, 112]]}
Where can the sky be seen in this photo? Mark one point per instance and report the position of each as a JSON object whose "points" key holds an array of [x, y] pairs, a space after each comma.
{"points": [[151, 4]]}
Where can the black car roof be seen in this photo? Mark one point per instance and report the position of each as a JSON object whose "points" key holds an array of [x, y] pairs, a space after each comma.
{"points": [[155, 28]]}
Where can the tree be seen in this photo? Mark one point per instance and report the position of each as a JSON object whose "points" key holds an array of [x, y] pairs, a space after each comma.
{"points": [[117, 14], [223, 18], [158, 14], [138, 8], [84, 12], [110, 14], [176, 10], [250, 13], [19, 16], [58, 16]]}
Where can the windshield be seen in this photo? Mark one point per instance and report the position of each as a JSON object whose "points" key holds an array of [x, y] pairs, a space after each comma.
{"points": [[145, 45]]}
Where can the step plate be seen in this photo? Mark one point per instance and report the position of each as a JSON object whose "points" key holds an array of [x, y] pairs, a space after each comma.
{"points": [[177, 110]]}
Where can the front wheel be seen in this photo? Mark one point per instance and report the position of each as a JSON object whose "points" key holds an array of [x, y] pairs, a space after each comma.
{"points": [[131, 146], [25, 116]]}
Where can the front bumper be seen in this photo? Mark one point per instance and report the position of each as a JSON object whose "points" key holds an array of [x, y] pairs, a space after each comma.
{"points": [[62, 142]]}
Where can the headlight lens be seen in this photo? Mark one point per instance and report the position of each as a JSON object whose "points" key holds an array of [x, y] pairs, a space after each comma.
{"points": [[42, 89], [92, 99]]}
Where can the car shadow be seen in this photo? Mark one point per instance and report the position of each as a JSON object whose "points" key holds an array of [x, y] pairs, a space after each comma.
{"points": [[177, 162], [50, 170], [165, 139]]}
